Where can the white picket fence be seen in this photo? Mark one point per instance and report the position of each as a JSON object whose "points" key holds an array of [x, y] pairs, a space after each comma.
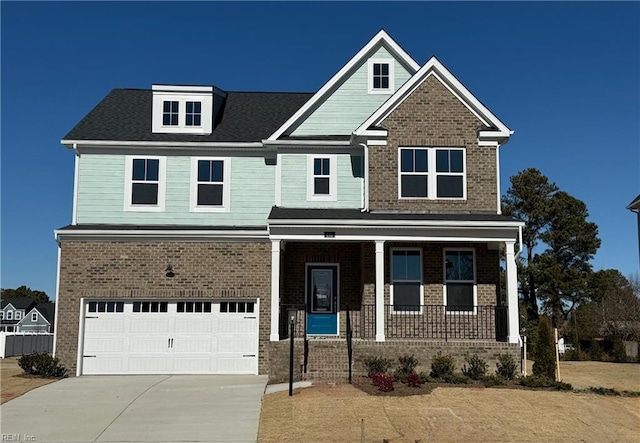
{"points": [[21, 343]]}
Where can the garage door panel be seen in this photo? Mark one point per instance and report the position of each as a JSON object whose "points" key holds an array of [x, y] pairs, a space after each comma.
{"points": [[174, 340]]}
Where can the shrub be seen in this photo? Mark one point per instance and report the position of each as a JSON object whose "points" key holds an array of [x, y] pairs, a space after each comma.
{"points": [[399, 375], [506, 367], [603, 391], [456, 379], [545, 356], [619, 350], [477, 367], [493, 380], [43, 365], [384, 382], [414, 380], [442, 365], [575, 355], [425, 377], [408, 363], [533, 381], [595, 351], [376, 364]]}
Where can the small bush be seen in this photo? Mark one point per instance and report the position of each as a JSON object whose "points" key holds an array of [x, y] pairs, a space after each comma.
{"points": [[408, 363], [619, 351], [376, 364], [545, 356], [493, 380], [506, 367], [477, 367], [533, 381], [603, 391], [43, 365], [442, 365], [456, 379], [399, 375], [575, 355], [414, 380], [425, 377], [595, 351], [384, 382]]}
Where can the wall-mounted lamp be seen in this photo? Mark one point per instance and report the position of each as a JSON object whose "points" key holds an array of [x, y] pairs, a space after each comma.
{"points": [[169, 271]]}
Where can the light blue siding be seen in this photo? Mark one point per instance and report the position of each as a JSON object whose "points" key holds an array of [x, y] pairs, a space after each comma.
{"points": [[294, 182], [101, 193], [350, 104]]}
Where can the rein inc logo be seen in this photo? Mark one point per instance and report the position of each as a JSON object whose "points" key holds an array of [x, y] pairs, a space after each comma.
{"points": [[18, 437]]}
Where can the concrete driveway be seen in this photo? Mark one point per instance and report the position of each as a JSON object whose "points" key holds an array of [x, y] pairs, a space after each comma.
{"points": [[138, 408]]}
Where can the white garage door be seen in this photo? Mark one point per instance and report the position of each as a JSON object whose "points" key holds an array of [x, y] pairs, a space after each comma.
{"points": [[170, 337]]}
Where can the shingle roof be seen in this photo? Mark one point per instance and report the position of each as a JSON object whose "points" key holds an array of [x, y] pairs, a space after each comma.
{"points": [[635, 204], [47, 310], [99, 227], [18, 302], [125, 115], [278, 213]]}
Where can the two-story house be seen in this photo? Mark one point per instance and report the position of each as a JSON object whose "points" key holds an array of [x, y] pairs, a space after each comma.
{"points": [[23, 314], [202, 217]]}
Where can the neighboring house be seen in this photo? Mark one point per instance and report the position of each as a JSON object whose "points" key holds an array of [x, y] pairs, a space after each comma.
{"points": [[634, 206], [22, 314], [202, 216]]}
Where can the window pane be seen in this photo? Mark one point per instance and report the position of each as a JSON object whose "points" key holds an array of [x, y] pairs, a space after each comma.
{"points": [[189, 306], [414, 186], [196, 120], [144, 194], [321, 186], [241, 306], [163, 306], [204, 170], [189, 107], [136, 306], [138, 169], [154, 306], [198, 306], [232, 306], [456, 161], [102, 306], [406, 160], [224, 306], [385, 69], [376, 83], [207, 306], [174, 107], [466, 265], [450, 186], [317, 166], [152, 169], [166, 119], [413, 265], [376, 69], [210, 195], [180, 306], [249, 307], [406, 296], [174, 119], [325, 166], [385, 83], [217, 171], [189, 121], [459, 297], [166, 106], [92, 306], [399, 265], [197, 107], [421, 160], [442, 160], [111, 307]]}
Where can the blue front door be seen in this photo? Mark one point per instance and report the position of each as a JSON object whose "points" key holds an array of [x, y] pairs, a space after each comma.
{"points": [[322, 299]]}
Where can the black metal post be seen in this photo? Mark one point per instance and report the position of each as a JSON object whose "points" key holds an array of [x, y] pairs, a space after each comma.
{"points": [[291, 334]]}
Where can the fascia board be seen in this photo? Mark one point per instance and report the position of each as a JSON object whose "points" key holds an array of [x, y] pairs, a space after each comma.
{"points": [[380, 38], [156, 235], [433, 66], [158, 145], [447, 224]]}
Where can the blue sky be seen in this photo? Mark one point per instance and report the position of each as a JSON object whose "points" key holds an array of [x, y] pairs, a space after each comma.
{"points": [[564, 76]]}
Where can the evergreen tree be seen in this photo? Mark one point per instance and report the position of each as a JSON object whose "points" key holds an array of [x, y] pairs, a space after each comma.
{"points": [[544, 353]]}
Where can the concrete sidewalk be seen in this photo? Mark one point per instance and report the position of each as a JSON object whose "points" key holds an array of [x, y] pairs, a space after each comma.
{"points": [[139, 408]]}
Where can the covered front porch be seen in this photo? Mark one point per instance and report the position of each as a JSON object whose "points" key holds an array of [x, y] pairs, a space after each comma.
{"points": [[397, 275]]}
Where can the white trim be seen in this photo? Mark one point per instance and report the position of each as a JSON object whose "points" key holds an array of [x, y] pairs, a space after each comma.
{"points": [[512, 293], [182, 97], [8, 315], [377, 142], [160, 145], [306, 295], [391, 64], [76, 172], [34, 314], [208, 235], [275, 290], [407, 223], [128, 184], [379, 288], [381, 38], [393, 311], [498, 203], [226, 186], [278, 178], [80, 356], [55, 315], [474, 282], [333, 178], [433, 66], [365, 179], [176, 88], [17, 315], [309, 143]]}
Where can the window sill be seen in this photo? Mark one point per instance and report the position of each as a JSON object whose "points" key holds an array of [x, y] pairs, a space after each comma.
{"points": [[209, 209], [142, 208]]}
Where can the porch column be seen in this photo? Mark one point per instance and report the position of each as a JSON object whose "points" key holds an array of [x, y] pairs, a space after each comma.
{"points": [[379, 290], [512, 294], [275, 290]]}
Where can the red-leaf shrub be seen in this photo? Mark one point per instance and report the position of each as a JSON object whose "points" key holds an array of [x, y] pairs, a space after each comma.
{"points": [[414, 380], [384, 382]]}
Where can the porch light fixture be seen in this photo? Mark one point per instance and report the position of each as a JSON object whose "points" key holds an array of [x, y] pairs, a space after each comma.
{"points": [[169, 271]]}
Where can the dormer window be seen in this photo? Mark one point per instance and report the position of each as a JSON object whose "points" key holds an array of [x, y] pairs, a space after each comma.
{"points": [[380, 76], [182, 109], [170, 113]]}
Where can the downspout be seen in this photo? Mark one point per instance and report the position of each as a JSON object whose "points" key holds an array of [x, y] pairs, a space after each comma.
{"points": [[498, 178], [365, 190]]}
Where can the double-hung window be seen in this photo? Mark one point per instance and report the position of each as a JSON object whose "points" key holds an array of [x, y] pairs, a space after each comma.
{"points": [[170, 112], [406, 273], [380, 72], [460, 281], [18, 315], [34, 317], [9, 315], [145, 183], [1, 315], [193, 116], [322, 177], [210, 188], [432, 173]]}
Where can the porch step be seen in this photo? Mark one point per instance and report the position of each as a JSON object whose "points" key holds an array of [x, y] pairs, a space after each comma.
{"points": [[328, 361]]}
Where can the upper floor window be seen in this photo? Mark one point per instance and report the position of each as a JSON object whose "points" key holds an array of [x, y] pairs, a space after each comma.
{"points": [[18, 315], [380, 76], [194, 114], [406, 276], [322, 177], [34, 317], [210, 186], [170, 112], [419, 179], [145, 183], [9, 315], [460, 280], [1, 315]]}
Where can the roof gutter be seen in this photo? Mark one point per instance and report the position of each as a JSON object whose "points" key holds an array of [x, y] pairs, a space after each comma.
{"points": [[314, 143], [127, 144]]}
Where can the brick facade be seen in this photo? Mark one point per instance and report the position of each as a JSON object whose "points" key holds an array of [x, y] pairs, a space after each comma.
{"points": [[432, 117], [126, 270]]}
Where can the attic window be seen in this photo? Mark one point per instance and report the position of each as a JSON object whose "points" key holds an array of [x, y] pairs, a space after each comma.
{"points": [[170, 111], [182, 109], [194, 113], [380, 76]]}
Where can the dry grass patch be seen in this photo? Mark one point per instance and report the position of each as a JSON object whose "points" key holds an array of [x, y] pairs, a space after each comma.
{"points": [[583, 374], [13, 381], [324, 413]]}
